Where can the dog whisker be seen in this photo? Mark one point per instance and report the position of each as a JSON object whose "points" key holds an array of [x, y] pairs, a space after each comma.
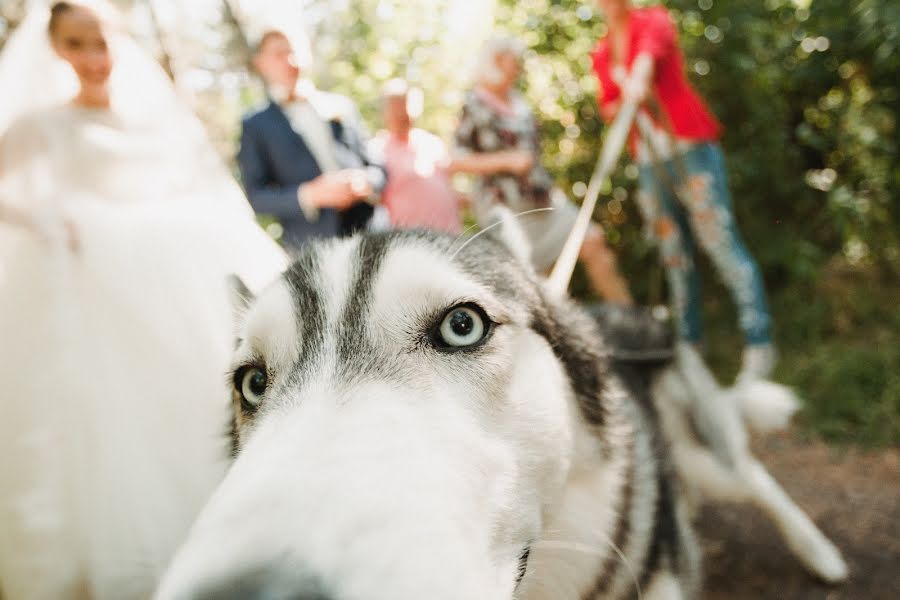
{"points": [[491, 226], [591, 549], [463, 234]]}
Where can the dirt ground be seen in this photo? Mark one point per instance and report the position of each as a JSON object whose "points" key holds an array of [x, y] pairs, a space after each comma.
{"points": [[854, 497]]}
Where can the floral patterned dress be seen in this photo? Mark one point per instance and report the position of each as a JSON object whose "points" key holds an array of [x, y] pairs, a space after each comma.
{"points": [[488, 126]]}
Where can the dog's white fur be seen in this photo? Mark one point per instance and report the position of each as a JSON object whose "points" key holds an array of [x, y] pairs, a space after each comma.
{"points": [[430, 480], [765, 406]]}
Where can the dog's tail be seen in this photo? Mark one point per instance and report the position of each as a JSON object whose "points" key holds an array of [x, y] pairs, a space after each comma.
{"points": [[765, 406]]}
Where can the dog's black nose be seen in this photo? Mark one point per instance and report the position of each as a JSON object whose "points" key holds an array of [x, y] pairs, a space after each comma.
{"points": [[263, 585]]}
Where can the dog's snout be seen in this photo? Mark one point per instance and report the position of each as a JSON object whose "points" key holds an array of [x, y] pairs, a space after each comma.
{"points": [[262, 585]]}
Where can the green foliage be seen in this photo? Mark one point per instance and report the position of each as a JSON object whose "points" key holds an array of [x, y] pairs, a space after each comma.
{"points": [[807, 90], [839, 339], [808, 93], [361, 44], [868, 413]]}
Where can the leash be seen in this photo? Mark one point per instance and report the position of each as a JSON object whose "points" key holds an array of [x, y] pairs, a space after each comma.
{"points": [[715, 418], [559, 279], [645, 130], [628, 114]]}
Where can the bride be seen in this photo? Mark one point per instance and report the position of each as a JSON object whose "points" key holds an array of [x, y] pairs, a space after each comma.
{"points": [[118, 228]]}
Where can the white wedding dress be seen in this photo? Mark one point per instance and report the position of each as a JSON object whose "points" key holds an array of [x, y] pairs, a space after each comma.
{"points": [[114, 405]]}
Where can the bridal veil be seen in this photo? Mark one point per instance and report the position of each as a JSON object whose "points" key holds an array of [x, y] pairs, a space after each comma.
{"points": [[115, 408]]}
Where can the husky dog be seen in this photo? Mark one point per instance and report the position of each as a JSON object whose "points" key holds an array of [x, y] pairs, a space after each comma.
{"points": [[417, 417]]}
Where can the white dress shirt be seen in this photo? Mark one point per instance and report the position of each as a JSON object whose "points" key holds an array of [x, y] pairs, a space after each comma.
{"points": [[315, 131]]}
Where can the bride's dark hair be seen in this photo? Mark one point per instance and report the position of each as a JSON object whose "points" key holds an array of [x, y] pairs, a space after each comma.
{"points": [[56, 12], [101, 9]]}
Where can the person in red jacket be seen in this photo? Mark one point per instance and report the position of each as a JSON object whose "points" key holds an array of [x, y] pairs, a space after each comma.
{"points": [[639, 60]]}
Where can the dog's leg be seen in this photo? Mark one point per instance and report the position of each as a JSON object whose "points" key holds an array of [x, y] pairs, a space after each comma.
{"points": [[713, 412], [808, 544], [665, 586], [705, 477], [727, 470]]}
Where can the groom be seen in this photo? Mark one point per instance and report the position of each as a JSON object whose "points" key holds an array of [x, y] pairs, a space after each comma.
{"points": [[302, 157]]}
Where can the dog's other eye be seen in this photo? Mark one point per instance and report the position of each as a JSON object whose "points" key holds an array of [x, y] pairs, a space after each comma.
{"points": [[463, 326], [251, 383]]}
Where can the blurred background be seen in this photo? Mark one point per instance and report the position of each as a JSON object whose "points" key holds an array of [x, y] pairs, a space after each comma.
{"points": [[808, 91]]}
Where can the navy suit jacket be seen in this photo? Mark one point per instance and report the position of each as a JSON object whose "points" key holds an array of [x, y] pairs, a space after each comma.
{"points": [[275, 160]]}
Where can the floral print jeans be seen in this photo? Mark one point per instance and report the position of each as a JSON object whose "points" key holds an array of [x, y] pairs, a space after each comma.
{"points": [[703, 218]]}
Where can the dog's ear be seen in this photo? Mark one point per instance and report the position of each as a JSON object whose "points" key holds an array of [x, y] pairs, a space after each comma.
{"points": [[240, 295], [506, 228]]}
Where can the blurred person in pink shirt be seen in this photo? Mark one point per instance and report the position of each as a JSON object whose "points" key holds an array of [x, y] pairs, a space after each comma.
{"points": [[418, 193]]}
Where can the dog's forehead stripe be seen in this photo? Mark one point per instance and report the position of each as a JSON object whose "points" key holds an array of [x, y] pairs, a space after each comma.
{"points": [[303, 279], [335, 283], [331, 284], [370, 257]]}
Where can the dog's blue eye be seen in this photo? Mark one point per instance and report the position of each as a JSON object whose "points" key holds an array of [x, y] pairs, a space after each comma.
{"points": [[252, 382], [462, 326]]}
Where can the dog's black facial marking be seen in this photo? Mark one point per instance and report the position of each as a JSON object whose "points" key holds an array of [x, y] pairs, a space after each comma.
{"points": [[353, 346], [523, 564], [268, 581], [302, 279], [665, 539], [577, 344], [233, 438], [489, 262], [623, 527], [242, 411], [585, 365]]}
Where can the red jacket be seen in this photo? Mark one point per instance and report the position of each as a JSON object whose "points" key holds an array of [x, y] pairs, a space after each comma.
{"points": [[651, 31]]}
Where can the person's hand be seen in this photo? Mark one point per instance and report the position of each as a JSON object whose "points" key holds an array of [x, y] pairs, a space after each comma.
{"points": [[635, 89], [636, 86], [519, 162], [360, 186], [330, 190]]}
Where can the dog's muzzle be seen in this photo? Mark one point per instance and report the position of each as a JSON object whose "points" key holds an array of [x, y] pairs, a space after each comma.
{"points": [[260, 585]]}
